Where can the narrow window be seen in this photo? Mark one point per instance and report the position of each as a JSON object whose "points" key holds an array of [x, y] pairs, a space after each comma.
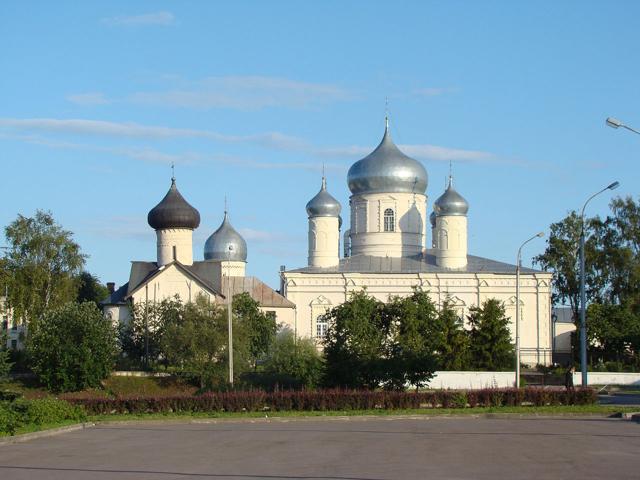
{"points": [[389, 220], [175, 253], [321, 326]]}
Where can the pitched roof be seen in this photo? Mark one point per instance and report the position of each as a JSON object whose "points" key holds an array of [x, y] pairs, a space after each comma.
{"points": [[117, 297], [258, 290], [417, 264]]}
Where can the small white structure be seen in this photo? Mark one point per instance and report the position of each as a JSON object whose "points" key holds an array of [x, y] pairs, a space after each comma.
{"points": [[385, 252], [220, 276]]}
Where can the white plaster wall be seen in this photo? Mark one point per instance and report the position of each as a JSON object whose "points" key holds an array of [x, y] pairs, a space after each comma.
{"points": [[284, 316], [118, 314], [181, 238], [472, 380], [314, 293], [227, 269], [367, 224], [169, 283], [563, 337], [608, 378], [451, 241], [324, 242]]}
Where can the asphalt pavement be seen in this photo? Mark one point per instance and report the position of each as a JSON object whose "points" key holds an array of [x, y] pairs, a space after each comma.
{"points": [[340, 449]]}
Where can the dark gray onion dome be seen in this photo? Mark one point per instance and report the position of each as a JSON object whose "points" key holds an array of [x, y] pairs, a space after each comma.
{"points": [[450, 203], [387, 170], [173, 212], [323, 204], [432, 219], [217, 245]]}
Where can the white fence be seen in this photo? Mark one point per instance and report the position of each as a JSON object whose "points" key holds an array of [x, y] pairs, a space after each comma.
{"points": [[608, 378], [472, 380]]}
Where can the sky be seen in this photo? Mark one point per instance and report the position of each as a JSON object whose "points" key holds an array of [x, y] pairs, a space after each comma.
{"points": [[250, 98]]}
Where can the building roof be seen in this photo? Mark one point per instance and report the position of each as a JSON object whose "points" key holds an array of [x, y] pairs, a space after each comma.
{"points": [[173, 211], [226, 244], [417, 264], [323, 204], [562, 314], [117, 297], [387, 170], [450, 202], [258, 290]]}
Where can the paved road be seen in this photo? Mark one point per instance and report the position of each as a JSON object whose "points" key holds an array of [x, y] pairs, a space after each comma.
{"points": [[355, 449]]}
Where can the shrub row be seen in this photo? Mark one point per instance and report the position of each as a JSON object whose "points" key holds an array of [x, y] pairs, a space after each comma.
{"points": [[325, 400], [18, 413]]}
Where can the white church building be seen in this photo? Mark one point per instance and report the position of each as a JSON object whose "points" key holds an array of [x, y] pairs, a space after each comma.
{"points": [[385, 252]]}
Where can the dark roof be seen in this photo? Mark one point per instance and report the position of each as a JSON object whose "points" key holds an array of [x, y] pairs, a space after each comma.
{"points": [[117, 297], [563, 314], [143, 272], [258, 290], [173, 211], [418, 264]]}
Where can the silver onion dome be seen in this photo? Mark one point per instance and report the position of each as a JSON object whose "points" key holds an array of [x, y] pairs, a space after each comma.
{"points": [[323, 204], [217, 246], [173, 211], [387, 170], [450, 202]]}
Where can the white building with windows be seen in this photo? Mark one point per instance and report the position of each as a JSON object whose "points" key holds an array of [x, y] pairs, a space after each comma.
{"points": [[218, 277], [385, 252]]}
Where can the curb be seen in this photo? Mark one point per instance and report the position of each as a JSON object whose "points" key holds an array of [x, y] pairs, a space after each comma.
{"points": [[25, 437]]}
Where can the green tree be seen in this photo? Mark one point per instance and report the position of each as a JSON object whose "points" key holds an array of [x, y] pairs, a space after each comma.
{"points": [[71, 347], [414, 337], [90, 289], [356, 343], [490, 339], [5, 363], [260, 327], [613, 334], [41, 265], [453, 351], [195, 341], [294, 362]]}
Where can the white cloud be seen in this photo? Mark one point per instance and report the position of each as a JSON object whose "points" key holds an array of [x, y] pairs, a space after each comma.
{"points": [[244, 93], [88, 99], [155, 18]]}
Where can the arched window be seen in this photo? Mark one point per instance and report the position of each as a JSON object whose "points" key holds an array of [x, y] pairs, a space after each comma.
{"points": [[389, 220], [321, 326]]}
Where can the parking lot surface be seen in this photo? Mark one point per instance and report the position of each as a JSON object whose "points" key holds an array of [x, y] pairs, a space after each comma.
{"points": [[341, 449]]}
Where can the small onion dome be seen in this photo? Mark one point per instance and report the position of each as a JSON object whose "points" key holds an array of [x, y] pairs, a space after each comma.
{"points": [[450, 203], [387, 170], [217, 245], [323, 204], [432, 219], [173, 212]]}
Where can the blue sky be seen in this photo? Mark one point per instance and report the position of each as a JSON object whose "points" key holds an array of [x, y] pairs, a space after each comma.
{"points": [[249, 99]]}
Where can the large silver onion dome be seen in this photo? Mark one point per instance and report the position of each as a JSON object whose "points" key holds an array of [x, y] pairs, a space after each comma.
{"points": [[173, 212], [450, 202], [387, 170], [323, 204], [217, 245]]}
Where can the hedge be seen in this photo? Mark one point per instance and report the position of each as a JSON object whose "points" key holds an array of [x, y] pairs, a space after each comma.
{"points": [[19, 413], [326, 400]]}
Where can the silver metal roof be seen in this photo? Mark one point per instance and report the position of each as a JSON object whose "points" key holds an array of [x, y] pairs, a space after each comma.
{"points": [[173, 211], [450, 203], [416, 264], [323, 204], [217, 245], [387, 170], [432, 219]]}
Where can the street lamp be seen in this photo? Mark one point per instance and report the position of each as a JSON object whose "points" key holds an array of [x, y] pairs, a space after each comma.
{"points": [[229, 316], [518, 259], [583, 296], [615, 123]]}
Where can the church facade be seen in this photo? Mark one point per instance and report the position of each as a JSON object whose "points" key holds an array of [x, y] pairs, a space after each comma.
{"points": [[384, 250]]}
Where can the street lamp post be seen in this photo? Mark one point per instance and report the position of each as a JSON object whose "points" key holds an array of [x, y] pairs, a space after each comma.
{"points": [[615, 123], [518, 260], [229, 316], [583, 296]]}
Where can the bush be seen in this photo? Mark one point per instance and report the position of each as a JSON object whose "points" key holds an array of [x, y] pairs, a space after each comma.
{"points": [[19, 413], [72, 347]]}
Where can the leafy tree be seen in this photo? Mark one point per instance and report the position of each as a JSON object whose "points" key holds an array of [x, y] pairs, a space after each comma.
{"points": [[5, 363], [413, 339], [41, 265], [195, 341], [90, 289], [356, 343], [260, 327], [71, 347], [453, 351], [613, 334], [294, 362], [490, 340]]}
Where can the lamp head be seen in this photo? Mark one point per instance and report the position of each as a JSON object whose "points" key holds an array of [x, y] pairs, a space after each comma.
{"points": [[540, 235], [613, 186], [614, 122]]}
